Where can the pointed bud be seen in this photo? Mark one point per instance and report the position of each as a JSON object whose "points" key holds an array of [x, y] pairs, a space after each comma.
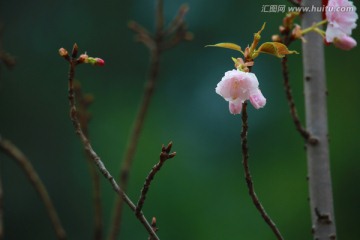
{"points": [[74, 51]]}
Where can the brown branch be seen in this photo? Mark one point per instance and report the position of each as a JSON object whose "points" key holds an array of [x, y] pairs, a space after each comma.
{"points": [[164, 155], [12, 151], [293, 111], [88, 148], [248, 178], [178, 20], [287, 40], [156, 45], [84, 100], [133, 141]]}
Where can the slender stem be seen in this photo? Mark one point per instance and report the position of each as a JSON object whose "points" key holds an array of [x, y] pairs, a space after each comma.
{"points": [[12, 151], [133, 141], [293, 112], [139, 120], [248, 178], [84, 117], [164, 155], [156, 44], [287, 40], [319, 177], [313, 27], [98, 224], [89, 150]]}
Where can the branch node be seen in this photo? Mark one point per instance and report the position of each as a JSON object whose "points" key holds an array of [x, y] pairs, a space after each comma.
{"points": [[322, 217]]}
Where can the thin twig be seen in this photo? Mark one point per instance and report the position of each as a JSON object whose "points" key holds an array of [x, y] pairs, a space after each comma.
{"points": [[84, 100], [133, 141], [156, 45], [12, 151], [293, 112], [287, 40], [178, 20], [88, 148], [164, 155], [248, 178]]}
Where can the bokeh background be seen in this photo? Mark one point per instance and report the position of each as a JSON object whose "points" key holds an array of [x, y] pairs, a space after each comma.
{"points": [[200, 194]]}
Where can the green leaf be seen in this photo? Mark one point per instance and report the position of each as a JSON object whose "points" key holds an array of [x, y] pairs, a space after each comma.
{"points": [[232, 46], [274, 48]]}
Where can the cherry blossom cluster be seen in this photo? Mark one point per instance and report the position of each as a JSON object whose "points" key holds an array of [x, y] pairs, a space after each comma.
{"points": [[341, 24]]}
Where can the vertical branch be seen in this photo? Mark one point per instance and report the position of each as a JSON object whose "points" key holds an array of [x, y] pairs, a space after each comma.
{"points": [[73, 61], [134, 138], [84, 100], [12, 151], [320, 188], [293, 112], [98, 224], [177, 31], [248, 178], [287, 32]]}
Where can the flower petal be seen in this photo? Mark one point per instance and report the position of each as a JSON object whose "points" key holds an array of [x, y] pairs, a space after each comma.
{"points": [[235, 106], [257, 99]]}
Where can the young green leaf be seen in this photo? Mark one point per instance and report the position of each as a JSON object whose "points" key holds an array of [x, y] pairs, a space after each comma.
{"points": [[232, 46], [274, 48]]}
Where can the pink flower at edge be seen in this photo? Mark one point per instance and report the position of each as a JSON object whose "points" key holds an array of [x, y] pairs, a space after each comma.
{"points": [[236, 87], [345, 42], [340, 23]]}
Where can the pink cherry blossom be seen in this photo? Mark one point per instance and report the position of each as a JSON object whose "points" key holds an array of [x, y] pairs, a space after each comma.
{"points": [[236, 87], [345, 42], [257, 99], [341, 16]]}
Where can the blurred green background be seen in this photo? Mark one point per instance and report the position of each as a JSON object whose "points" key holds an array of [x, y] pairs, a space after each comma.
{"points": [[200, 194]]}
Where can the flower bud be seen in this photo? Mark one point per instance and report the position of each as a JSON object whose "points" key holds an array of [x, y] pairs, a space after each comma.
{"points": [[99, 62], [257, 99], [345, 42], [83, 58], [296, 32], [276, 38], [63, 52], [95, 61]]}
